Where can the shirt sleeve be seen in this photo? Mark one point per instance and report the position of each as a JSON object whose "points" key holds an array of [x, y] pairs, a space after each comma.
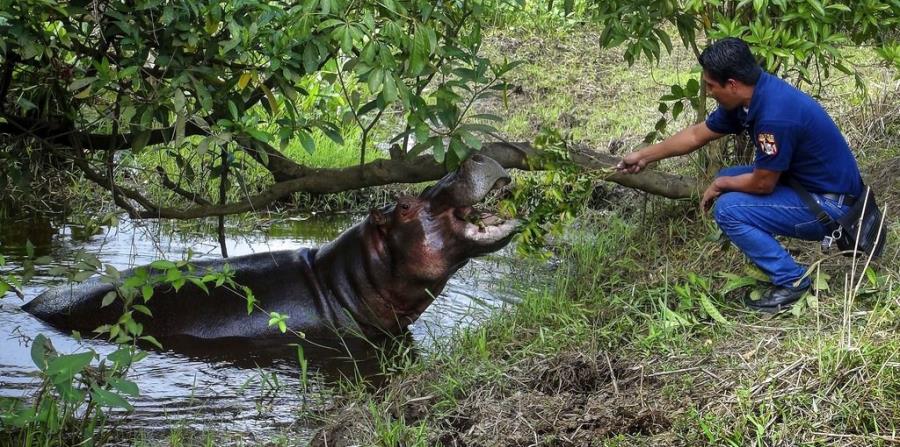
{"points": [[723, 121], [775, 145]]}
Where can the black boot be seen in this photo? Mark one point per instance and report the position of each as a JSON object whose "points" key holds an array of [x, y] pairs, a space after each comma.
{"points": [[777, 298]]}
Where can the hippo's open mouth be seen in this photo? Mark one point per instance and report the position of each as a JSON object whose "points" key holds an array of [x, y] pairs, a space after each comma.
{"points": [[485, 226], [467, 187]]}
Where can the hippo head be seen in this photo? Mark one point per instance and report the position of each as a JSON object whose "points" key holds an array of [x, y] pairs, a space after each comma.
{"points": [[430, 236]]}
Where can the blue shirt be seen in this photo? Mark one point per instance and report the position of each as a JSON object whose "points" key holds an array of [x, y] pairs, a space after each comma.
{"points": [[793, 135]]}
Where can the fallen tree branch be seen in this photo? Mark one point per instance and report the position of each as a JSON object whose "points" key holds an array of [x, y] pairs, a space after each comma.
{"points": [[421, 169]]}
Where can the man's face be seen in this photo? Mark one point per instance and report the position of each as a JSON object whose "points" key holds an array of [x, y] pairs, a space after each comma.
{"points": [[725, 94]]}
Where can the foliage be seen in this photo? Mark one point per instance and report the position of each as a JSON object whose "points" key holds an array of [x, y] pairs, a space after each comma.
{"points": [[547, 201], [72, 397], [246, 79], [798, 39]]}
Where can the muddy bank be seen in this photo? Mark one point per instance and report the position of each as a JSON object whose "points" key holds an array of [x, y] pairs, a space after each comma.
{"points": [[571, 399]]}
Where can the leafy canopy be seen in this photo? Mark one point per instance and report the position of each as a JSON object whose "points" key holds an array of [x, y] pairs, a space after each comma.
{"points": [[246, 77]]}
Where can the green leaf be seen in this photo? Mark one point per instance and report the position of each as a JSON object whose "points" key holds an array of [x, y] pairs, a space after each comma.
{"points": [[109, 399], [332, 132], [108, 298], [179, 100], [820, 282], [870, 275], [839, 7], [735, 282], [420, 52], [162, 264], [142, 309], [390, 88], [310, 57], [200, 284], [812, 301], [244, 80], [251, 299], [40, 347], [232, 108], [121, 357], [152, 340], [437, 147], [83, 275], [173, 274], [458, 148], [677, 109], [147, 292], [376, 76], [307, 141], [277, 319], [471, 140], [124, 386], [78, 84], [711, 309], [65, 367], [259, 136]]}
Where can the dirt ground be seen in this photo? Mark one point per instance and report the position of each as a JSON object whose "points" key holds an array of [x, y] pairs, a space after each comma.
{"points": [[572, 399]]}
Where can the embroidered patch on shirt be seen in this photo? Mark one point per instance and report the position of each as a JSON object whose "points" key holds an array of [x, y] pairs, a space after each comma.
{"points": [[767, 143]]}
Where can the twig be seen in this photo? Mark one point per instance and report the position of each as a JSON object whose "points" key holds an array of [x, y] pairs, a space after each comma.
{"points": [[784, 371], [612, 375], [890, 439], [665, 373]]}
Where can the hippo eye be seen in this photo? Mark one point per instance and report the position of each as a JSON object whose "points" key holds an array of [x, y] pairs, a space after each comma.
{"points": [[404, 206]]}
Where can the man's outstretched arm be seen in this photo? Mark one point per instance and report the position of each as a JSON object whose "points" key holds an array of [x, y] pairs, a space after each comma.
{"points": [[684, 142]]}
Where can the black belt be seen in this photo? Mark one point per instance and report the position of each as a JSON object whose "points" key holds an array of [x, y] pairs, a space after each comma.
{"points": [[845, 199]]}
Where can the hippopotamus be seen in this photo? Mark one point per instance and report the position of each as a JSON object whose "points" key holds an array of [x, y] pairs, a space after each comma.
{"points": [[375, 278]]}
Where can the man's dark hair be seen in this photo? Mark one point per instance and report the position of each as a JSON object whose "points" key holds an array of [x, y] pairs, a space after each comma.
{"points": [[730, 58]]}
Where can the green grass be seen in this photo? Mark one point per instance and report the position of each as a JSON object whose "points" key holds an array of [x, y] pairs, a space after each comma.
{"points": [[750, 380]]}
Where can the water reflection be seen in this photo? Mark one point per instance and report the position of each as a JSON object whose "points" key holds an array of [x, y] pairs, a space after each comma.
{"points": [[230, 385]]}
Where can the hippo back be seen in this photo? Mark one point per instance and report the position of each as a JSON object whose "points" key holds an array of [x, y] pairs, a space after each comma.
{"points": [[281, 281]]}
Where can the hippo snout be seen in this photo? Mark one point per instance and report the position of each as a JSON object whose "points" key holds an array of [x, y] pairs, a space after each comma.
{"points": [[469, 184]]}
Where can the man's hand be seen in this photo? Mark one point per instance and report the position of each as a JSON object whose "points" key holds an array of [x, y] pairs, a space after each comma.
{"points": [[632, 163], [709, 196]]}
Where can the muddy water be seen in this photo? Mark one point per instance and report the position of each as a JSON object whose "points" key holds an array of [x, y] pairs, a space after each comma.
{"points": [[255, 392]]}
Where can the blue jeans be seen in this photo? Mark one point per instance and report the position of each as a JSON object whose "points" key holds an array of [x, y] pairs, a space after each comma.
{"points": [[752, 220]]}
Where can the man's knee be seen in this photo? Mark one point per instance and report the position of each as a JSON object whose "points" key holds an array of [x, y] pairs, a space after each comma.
{"points": [[726, 206]]}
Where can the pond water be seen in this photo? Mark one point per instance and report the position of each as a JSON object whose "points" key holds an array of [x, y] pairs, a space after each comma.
{"points": [[258, 393]]}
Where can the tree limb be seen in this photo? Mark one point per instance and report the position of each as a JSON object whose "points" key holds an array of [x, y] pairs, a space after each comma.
{"points": [[420, 169]]}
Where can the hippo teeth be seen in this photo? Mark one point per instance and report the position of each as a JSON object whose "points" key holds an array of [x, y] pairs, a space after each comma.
{"points": [[489, 219], [487, 234]]}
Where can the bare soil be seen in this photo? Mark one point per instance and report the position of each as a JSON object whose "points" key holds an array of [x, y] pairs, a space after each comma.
{"points": [[571, 399]]}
